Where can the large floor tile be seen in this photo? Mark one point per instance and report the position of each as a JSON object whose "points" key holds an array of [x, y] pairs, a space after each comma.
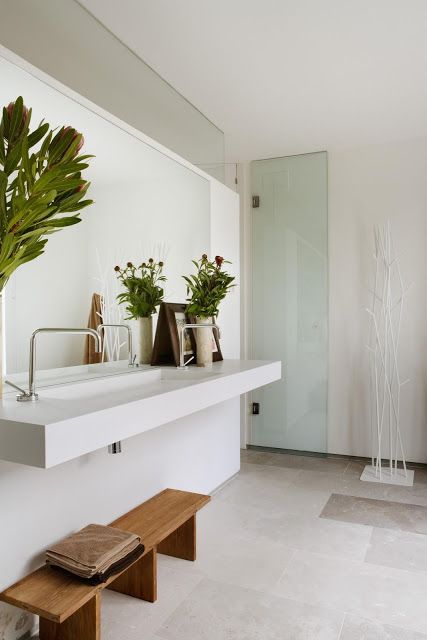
{"points": [[123, 616], [272, 490], [350, 484], [356, 628], [398, 549], [217, 611], [253, 456], [308, 533], [295, 529], [308, 463], [241, 561], [386, 595], [281, 490], [377, 513], [260, 486]]}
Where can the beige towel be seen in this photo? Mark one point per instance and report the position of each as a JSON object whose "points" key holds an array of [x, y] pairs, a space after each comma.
{"points": [[95, 319], [92, 550]]}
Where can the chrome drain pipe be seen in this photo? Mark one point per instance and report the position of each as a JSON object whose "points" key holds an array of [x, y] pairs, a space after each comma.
{"points": [[116, 447]]}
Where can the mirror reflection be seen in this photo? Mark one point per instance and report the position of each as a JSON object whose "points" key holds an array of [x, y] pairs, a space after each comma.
{"points": [[146, 205]]}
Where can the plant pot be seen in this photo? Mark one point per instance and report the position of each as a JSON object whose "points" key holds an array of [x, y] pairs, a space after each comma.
{"points": [[204, 343], [145, 340]]}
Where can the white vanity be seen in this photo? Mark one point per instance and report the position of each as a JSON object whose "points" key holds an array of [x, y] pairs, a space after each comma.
{"points": [[73, 419]]}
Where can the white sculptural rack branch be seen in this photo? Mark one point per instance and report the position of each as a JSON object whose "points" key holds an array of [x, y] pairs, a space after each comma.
{"points": [[385, 382]]}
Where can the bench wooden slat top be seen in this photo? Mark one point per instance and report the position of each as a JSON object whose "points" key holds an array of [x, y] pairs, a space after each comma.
{"points": [[155, 519], [55, 595]]}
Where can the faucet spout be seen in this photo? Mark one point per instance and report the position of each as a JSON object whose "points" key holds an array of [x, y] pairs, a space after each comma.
{"points": [[211, 326], [32, 395], [102, 328]]}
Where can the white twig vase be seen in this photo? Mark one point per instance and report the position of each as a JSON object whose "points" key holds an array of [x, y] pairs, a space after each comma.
{"points": [[204, 343], [145, 340]]}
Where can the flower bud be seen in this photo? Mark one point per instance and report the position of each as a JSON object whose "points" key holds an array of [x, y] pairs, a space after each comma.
{"points": [[25, 114], [130, 265], [64, 132], [161, 263], [117, 268]]}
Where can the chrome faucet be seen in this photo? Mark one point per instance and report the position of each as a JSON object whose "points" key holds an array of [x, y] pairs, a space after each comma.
{"points": [[131, 359], [182, 329], [31, 395]]}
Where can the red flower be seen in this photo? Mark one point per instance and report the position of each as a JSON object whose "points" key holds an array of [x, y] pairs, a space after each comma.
{"points": [[219, 260]]}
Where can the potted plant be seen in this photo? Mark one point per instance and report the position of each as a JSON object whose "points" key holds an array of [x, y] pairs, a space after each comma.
{"points": [[40, 181], [208, 287], [142, 297]]}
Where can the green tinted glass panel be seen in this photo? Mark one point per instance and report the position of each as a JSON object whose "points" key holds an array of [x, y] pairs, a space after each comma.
{"points": [[290, 288]]}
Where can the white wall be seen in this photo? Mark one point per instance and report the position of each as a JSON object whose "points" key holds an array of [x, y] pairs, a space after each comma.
{"points": [[366, 186]]}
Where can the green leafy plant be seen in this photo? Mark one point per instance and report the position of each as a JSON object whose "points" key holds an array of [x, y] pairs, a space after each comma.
{"points": [[143, 292], [208, 287], [40, 180]]}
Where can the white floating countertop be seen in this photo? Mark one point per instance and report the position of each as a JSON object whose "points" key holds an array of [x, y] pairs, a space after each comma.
{"points": [[70, 420]]}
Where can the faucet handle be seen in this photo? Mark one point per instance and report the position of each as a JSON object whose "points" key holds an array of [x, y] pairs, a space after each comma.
{"points": [[24, 396]]}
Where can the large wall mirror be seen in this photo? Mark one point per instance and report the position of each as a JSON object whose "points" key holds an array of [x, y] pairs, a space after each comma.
{"points": [[146, 205]]}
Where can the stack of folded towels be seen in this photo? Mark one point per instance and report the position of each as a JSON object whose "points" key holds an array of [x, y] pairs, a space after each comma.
{"points": [[96, 552]]}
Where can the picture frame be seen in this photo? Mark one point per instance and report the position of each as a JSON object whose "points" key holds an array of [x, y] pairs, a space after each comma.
{"points": [[166, 343]]}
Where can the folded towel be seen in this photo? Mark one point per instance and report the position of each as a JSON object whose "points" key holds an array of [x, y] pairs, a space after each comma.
{"points": [[95, 319], [94, 550]]}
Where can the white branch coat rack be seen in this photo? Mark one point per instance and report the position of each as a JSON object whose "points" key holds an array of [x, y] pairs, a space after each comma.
{"points": [[388, 296]]}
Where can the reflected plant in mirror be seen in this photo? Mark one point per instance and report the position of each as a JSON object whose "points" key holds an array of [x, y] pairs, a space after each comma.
{"points": [[206, 290], [143, 294], [40, 181]]}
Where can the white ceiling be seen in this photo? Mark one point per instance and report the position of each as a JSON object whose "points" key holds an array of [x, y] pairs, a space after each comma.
{"points": [[287, 76]]}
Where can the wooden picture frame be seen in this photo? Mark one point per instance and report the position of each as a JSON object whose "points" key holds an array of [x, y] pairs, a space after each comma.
{"points": [[166, 342]]}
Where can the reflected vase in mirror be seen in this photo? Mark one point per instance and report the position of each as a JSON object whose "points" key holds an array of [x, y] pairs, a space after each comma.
{"points": [[145, 340], [142, 295]]}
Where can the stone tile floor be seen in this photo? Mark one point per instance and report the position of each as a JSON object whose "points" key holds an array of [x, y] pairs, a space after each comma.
{"points": [[269, 568]]}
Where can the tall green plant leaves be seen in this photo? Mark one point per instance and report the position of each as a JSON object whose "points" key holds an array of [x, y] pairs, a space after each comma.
{"points": [[36, 190]]}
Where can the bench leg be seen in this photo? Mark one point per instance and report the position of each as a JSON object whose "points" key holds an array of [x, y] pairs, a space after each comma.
{"points": [[140, 580], [84, 623], [182, 542]]}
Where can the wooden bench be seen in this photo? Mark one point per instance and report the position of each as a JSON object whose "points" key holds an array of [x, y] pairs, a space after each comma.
{"points": [[69, 609]]}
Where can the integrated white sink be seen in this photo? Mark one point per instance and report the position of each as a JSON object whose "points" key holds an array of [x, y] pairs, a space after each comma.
{"points": [[70, 420]]}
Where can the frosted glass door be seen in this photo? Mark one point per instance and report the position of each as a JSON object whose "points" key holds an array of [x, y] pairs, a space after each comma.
{"points": [[289, 238]]}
